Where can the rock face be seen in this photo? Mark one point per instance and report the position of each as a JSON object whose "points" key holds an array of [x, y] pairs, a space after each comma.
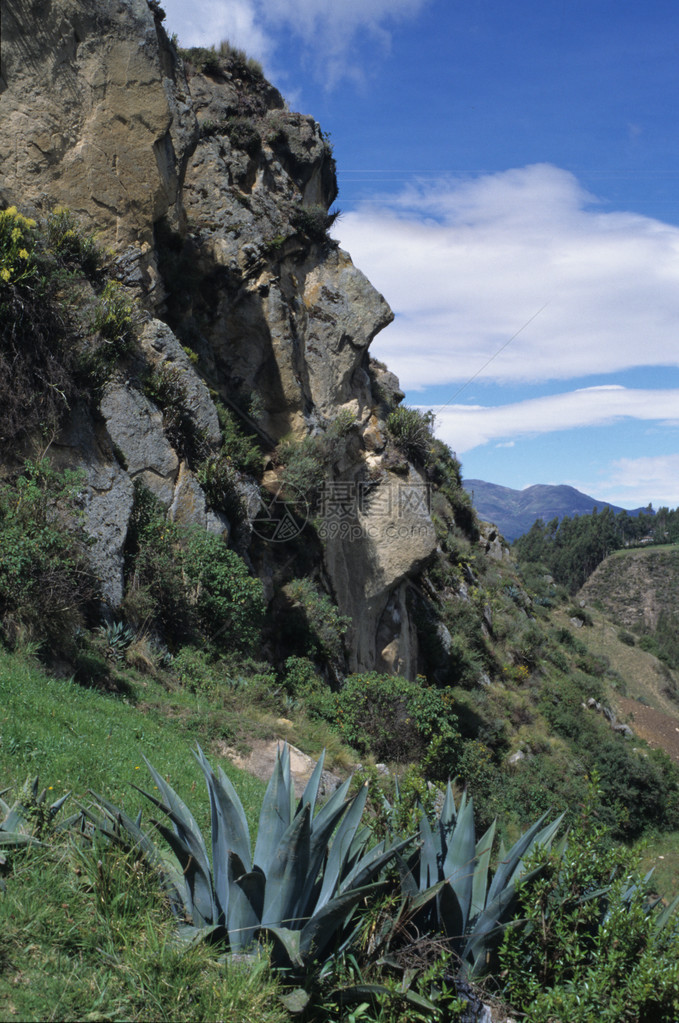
{"points": [[214, 199]]}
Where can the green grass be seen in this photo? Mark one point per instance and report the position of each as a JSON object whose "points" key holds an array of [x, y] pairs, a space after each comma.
{"points": [[78, 739], [84, 934]]}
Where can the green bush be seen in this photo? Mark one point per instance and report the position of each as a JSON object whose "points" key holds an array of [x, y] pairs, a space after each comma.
{"points": [[313, 221], [187, 583], [626, 637], [580, 613], [304, 470], [412, 431], [219, 481], [240, 449], [37, 338], [399, 721], [46, 583], [594, 947], [228, 601], [114, 320], [316, 627], [165, 386], [66, 239]]}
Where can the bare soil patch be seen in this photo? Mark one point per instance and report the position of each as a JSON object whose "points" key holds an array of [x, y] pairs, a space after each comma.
{"points": [[660, 730]]}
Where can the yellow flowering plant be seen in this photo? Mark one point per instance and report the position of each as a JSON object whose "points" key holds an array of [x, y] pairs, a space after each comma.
{"points": [[16, 246]]}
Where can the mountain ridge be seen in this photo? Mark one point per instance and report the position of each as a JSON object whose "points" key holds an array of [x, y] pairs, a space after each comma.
{"points": [[515, 511]]}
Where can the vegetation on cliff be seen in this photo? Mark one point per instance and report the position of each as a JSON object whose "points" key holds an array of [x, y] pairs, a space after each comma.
{"points": [[295, 558]]}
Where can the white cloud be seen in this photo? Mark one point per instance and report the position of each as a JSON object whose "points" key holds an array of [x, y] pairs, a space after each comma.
{"points": [[633, 482], [327, 29], [208, 22], [464, 427], [465, 265]]}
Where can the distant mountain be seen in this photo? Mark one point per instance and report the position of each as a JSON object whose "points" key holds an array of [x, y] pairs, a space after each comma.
{"points": [[515, 511]]}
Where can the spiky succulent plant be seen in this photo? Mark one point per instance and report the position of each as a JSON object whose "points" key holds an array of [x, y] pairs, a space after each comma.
{"points": [[29, 816], [446, 882], [298, 889]]}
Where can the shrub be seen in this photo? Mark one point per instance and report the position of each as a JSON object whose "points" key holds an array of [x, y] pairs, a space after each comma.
{"points": [[313, 221], [229, 602], [239, 448], [581, 614], [626, 637], [66, 239], [45, 579], [596, 946], [412, 431], [317, 627], [17, 242], [303, 682], [219, 481], [165, 386], [187, 583], [36, 338], [399, 721], [113, 320]]}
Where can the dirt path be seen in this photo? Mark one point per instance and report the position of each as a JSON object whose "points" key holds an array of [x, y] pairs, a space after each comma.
{"points": [[660, 730]]}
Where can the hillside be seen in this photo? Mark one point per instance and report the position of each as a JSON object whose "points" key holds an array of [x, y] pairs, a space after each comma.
{"points": [[515, 511], [637, 587], [220, 530]]}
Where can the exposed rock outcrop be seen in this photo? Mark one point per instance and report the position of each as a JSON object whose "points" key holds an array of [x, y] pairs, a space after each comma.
{"points": [[213, 198]]}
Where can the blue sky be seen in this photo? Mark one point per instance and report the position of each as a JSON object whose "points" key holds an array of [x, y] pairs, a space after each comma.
{"points": [[509, 180]]}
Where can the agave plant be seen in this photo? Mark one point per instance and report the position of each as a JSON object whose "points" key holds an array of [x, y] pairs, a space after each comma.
{"points": [[447, 887], [26, 820], [298, 889]]}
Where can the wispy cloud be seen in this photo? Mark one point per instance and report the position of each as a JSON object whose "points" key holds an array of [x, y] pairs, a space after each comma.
{"points": [[465, 264], [328, 31], [467, 426], [633, 482]]}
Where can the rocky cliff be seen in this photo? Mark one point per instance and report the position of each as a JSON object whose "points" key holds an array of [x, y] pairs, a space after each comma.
{"points": [[212, 199]]}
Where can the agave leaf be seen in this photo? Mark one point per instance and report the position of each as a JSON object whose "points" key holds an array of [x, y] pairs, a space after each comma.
{"points": [[285, 943], [409, 888], [484, 847], [56, 806], [17, 838], [542, 840], [341, 846], [429, 871], [359, 847], [172, 878], [458, 866], [182, 819], [420, 1002], [16, 820], [141, 840], [246, 903], [326, 925], [274, 818], [229, 830], [198, 881], [493, 920], [451, 914], [666, 914], [447, 817], [337, 799], [310, 793], [371, 864], [286, 878], [507, 867]]}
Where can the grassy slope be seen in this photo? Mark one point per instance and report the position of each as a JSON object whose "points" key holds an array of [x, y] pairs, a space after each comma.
{"points": [[83, 934], [77, 738], [642, 677]]}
